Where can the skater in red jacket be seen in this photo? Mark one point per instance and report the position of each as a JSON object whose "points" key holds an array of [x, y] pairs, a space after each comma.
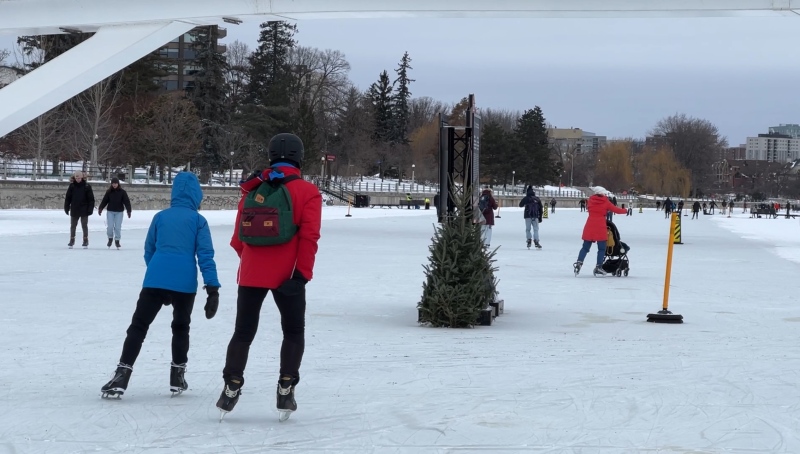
{"points": [[281, 269], [595, 230]]}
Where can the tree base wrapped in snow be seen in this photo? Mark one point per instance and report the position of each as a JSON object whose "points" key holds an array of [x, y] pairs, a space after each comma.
{"points": [[460, 279]]}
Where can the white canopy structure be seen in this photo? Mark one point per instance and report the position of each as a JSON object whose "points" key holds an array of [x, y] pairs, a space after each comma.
{"points": [[127, 30]]}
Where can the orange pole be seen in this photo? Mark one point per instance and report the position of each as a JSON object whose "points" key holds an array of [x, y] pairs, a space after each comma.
{"points": [[348, 208], [669, 258]]}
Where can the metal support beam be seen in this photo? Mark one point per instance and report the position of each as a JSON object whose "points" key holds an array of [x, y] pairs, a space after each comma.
{"points": [[48, 16], [110, 50]]}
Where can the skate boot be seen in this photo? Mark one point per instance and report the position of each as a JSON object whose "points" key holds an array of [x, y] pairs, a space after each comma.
{"points": [[599, 271], [71, 242], [116, 387], [230, 395], [110, 240], [285, 402], [177, 382], [528, 243], [536, 242], [577, 267], [116, 243], [85, 243]]}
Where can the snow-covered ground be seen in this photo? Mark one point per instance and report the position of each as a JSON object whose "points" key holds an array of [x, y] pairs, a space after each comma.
{"points": [[571, 367]]}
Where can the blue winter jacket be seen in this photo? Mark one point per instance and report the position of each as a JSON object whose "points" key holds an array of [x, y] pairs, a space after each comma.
{"points": [[176, 236]]}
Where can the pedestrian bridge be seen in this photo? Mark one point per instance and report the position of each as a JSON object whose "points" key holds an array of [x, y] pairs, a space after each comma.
{"points": [[126, 30]]}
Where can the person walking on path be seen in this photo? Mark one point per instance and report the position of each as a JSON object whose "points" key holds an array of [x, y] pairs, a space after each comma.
{"points": [[283, 269], [594, 231], [117, 201], [79, 205], [178, 241], [553, 205], [533, 216]]}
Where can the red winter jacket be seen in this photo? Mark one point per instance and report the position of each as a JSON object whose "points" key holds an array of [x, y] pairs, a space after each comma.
{"points": [[488, 213], [269, 266], [595, 228]]}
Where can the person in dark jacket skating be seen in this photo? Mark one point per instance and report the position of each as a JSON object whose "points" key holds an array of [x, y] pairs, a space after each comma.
{"points": [[79, 205], [488, 214], [178, 241], [595, 231], [533, 215], [695, 209], [117, 201], [283, 269]]}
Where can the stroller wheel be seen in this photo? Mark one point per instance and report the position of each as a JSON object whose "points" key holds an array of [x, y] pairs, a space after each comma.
{"points": [[626, 273]]}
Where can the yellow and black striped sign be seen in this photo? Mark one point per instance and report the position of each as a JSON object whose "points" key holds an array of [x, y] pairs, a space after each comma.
{"points": [[544, 213], [676, 239]]}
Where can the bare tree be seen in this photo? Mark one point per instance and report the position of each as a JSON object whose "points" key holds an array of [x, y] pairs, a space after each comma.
{"points": [[94, 130], [234, 144], [41, 138], [695, 142], [507, 119], [423, 110], [238, 70], [169, 131]]}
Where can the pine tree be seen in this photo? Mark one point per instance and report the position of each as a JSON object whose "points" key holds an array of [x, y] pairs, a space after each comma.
{"points": [[208, 94], [380, 94], [533, 162], [270, 74], [495, 153], [460, 279], [400, 108]]}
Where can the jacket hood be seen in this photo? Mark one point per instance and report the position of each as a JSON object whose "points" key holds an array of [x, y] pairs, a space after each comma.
{"points": [[257, 178], [186, 191], [529, 191]]}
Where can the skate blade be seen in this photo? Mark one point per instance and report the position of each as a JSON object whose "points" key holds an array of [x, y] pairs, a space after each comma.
{"points": [[111, 395], [283, 415], [176, 392]]}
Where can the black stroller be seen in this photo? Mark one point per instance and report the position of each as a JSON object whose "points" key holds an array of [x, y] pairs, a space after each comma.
{"points": [[616, 260]]}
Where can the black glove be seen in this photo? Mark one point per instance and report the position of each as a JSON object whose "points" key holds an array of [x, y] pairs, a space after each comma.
{"points": [[293, 286], [212, 302], [66, 210], [540, 220]]}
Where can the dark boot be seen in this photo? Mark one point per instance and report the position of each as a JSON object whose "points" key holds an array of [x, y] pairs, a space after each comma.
{"points": [[177, 381], [116, 243], [71, 242], [230, 394], [110, 240], [118, 383], [85, 242], [285, 394]]}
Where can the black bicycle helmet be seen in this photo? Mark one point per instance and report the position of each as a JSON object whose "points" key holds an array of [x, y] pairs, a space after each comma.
{"points": [[286, 147]]}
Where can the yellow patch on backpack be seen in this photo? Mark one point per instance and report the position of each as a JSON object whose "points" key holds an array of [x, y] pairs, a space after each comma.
{"points": [[259, 198]]}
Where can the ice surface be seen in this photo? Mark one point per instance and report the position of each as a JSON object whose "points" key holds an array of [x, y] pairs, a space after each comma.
{"points": [[572, 365]]}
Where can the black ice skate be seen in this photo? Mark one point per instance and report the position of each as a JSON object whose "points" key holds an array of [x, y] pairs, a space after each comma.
{"points": [[536, 242], [116, 243], [528, 243], [577, 267], [85, 243], [110, 240], [285, 396], [177, 381], [599, 271], [116, 387], [230, 395], [71, 242]]}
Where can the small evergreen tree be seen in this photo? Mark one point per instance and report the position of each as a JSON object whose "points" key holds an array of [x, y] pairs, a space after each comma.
{"points": [[400, 108], [460, 279]]}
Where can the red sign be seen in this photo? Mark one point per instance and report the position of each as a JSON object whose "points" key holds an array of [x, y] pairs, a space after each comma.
{"points": [[330, 157]]}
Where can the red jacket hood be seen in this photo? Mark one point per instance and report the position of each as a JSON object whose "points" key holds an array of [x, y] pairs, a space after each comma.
{"points": [[254, 182]]}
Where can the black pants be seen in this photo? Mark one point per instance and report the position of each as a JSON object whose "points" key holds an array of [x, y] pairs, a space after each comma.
{"points": [[248, 308], [150, 302], [73, 225]]}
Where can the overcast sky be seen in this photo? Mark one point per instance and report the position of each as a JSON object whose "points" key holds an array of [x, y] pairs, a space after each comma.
{"points": [[613, 77]]}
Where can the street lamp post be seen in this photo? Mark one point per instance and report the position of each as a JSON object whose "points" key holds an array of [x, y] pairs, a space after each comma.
{"points": [[513, 188], [412, 177], [231, 176]]}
